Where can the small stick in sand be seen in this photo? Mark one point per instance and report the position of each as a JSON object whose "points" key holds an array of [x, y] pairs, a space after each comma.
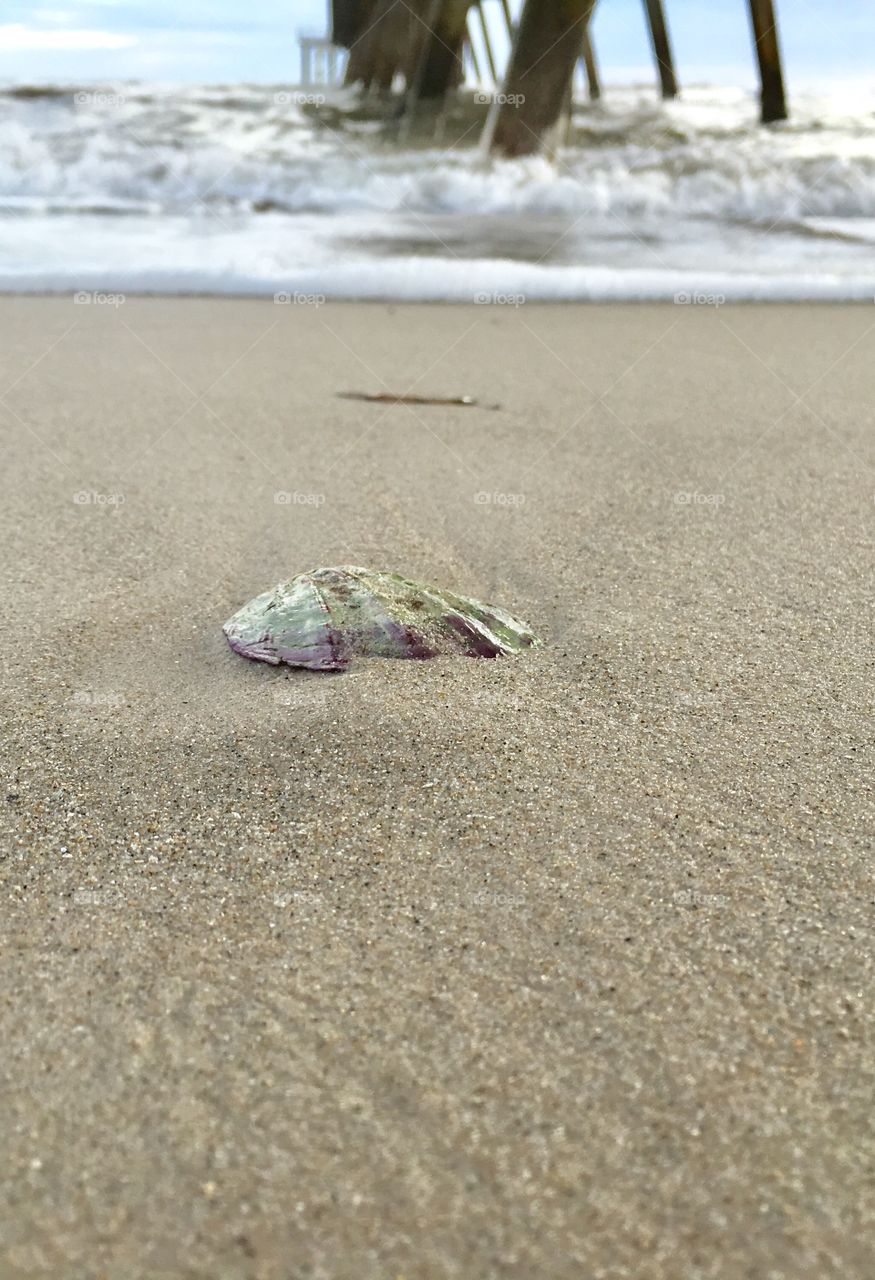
{"points": [[386, 397]]}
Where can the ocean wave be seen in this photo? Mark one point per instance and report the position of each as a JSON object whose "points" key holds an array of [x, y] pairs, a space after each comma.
{"points": [[486, 283], [250, 188], [123, 146]]}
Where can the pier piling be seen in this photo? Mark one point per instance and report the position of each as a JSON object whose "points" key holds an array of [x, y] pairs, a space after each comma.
{"points": [[423, 41], [487, 41], [444, 40], [475, 61], [384, 39], [546, 48], [593, 82], [661, 44], [407, 108], [346, 19], [765, 36]]}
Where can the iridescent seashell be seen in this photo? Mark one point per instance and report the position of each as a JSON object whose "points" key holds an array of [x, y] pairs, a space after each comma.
{"points": [[324, 619]]}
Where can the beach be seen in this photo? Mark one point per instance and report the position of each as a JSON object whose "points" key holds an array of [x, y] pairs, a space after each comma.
{"points": [[557, 965]]}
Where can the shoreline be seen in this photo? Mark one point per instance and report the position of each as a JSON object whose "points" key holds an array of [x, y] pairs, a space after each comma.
{"points": [[702, 289], [159, 295]]}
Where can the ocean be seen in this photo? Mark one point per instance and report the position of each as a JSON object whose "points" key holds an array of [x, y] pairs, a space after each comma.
{"points": [[245, 189]]}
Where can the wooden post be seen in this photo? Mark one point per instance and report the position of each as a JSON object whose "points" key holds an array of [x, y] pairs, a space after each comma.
{"points": [[472, 54], [765, 35], [347, 20], [545, 51], [443, 62], [414, 89], [591, 66], [661, 47], [563, 133], [487, 43], [387, 42], [381, 44]]}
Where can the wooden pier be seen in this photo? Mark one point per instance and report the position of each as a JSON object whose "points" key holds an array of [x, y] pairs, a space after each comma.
{"points": [[417, 48]]}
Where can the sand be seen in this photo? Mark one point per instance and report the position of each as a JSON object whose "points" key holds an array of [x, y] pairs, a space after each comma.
{"points": [[555, 967]]}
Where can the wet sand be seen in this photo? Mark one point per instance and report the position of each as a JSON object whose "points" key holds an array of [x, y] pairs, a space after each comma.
{"points": [[556, 967]]}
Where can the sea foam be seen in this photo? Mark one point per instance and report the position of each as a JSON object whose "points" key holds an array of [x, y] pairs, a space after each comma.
{"points": [[241, 189]]}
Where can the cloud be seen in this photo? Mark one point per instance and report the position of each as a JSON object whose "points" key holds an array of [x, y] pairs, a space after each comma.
{"points": [[15, 35]]}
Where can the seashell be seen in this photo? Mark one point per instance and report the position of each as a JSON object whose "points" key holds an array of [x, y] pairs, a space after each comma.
{"points": [[323, 619]]}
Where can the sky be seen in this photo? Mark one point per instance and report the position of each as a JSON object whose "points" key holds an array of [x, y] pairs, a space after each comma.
{"points": [[79, 41]]}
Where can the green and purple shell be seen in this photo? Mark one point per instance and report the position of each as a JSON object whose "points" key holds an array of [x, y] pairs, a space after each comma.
{"points": [[323, 619]]}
